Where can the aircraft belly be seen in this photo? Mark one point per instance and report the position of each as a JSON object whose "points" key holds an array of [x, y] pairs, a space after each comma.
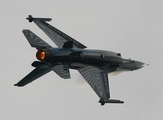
{"points": [[90, 60], [99, 61], [87, 60]]}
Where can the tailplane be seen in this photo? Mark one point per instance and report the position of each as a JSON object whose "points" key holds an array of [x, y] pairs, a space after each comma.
{"points": [[34, 40]]}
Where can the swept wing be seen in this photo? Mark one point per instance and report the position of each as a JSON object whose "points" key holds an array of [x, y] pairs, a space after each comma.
{"points": [[98, 79], [57, 36]]}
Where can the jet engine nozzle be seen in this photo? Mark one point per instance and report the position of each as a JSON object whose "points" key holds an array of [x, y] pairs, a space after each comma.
{"points": [[44, 55], [40, 55]]}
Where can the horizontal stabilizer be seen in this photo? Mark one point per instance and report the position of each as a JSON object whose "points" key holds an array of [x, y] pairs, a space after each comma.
{"points": [[30, 18], [34, 40], [36, 73], [39, 64]]}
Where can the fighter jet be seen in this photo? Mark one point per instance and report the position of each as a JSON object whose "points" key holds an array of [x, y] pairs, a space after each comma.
{"points": [[93, 65]]}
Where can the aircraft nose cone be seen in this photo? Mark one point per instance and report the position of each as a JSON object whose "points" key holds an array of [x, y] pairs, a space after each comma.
{"points": [[140, 64]]}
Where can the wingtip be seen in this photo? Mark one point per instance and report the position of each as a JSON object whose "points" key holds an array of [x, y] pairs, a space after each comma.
{"points": [[30, 18], [17, 85]]}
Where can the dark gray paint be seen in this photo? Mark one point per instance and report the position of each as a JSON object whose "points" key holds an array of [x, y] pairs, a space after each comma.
{"points": [[93, 65]]}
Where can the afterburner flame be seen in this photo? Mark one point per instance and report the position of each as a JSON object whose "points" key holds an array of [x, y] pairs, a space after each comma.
{"points": [[40, 55]]}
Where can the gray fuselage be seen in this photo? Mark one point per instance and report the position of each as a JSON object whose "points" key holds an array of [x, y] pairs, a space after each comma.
{"points": [[78, 58]]}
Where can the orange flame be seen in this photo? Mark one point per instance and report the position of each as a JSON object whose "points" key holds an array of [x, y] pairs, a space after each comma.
{"points": [[40, 55]]}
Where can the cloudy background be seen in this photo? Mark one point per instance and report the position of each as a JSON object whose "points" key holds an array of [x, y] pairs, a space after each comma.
{"points": [[132, 27]]}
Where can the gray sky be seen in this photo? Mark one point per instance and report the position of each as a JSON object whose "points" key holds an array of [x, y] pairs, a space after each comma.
{"points": [[133, 28]]}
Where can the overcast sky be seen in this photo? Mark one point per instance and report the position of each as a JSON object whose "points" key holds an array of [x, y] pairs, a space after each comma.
{"points": [[132, 27]]}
